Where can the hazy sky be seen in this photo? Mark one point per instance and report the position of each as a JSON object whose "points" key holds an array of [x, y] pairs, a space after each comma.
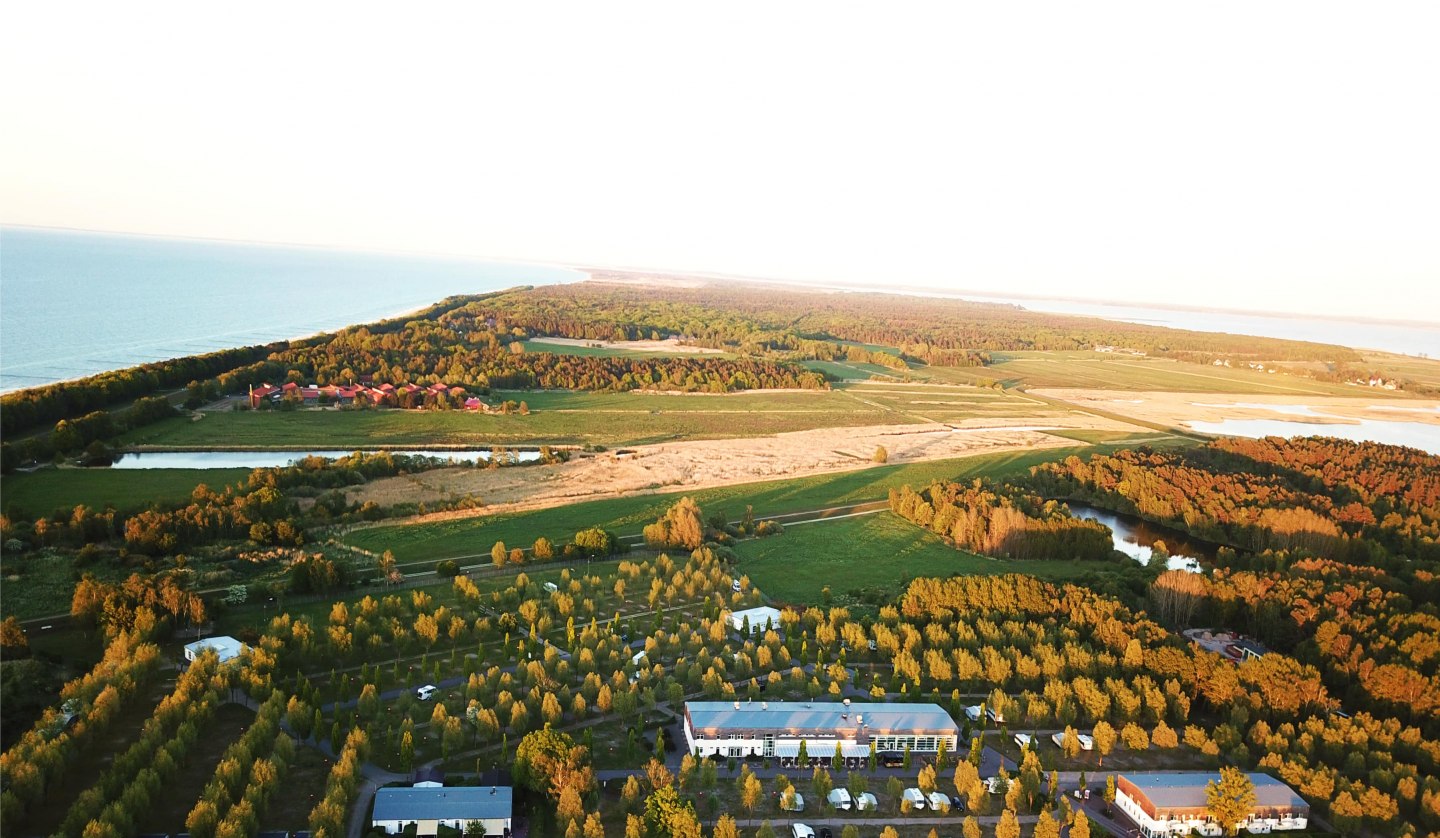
{"points": [[1266, 155]]}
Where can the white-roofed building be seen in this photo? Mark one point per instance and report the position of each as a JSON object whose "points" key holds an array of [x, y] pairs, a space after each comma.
{"points": [[776, 728], [227, 648], [758, 619], [430, 808], [1175, 804]]}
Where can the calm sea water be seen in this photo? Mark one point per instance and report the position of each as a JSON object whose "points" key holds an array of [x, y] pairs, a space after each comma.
{"points": [[73, 304]]}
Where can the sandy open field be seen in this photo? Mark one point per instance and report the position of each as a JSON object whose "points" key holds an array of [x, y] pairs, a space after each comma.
{"points": [[1179, 408], [671, 346], [684, 466]]}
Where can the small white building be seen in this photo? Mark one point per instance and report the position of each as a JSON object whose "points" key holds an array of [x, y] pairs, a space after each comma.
{"points": [[776, 728], [759, 619], [1174, 804], [452, 806], [225, 647]]}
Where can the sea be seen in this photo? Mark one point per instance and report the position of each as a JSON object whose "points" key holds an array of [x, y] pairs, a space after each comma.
{"points": [[74, 304]]}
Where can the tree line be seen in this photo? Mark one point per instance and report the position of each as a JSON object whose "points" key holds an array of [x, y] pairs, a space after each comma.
{"points": [[1001, 521]]}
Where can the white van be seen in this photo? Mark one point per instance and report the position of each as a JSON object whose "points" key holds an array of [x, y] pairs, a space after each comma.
{"points": [[797, 805], [551, 587], [916, 798], [800, 830], [426, 692], [840, 798]]}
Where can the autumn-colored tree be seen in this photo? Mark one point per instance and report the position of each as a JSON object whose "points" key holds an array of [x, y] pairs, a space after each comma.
{"points": [[1104, 736], [498, 554], [1081, 827], [881, 455], [668, 816], [1046, 826], [1009, 825], [1230, 800], [682, 525], [725, 828]]}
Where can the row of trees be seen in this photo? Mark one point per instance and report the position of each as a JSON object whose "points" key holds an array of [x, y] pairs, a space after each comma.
{"points": [[44, 755], [137, 777], [249, 772]]}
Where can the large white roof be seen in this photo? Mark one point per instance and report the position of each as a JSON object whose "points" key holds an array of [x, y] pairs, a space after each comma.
{"points": [[827, 718]]}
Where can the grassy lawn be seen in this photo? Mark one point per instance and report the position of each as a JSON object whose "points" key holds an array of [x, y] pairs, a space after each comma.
{"points": [[879, 552], [1090, 370], [625, 516], [558, 418], [542, 345], [44, 491]]}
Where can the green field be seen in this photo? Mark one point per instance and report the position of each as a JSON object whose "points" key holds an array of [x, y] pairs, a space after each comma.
{"points": [[879, 552], [47, 490], [1095, 371], [558, 418], [626, 516]]}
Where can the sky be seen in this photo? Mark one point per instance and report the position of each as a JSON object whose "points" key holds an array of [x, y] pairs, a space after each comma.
{"points": [[1270, 156]]}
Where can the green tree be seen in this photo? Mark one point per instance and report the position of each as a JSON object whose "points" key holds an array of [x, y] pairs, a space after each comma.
{"points": [[1230, 800], [668, 816]]}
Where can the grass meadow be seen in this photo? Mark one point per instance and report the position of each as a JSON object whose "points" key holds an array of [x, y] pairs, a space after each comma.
{"points": [[877, 553], [474, 537], [44, 491]]}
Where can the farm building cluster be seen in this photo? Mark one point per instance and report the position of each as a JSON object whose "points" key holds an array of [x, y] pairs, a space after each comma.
{"points": [[381, 395]]}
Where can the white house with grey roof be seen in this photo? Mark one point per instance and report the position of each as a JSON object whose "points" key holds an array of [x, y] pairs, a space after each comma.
{"points": [[452, 806], [1164, 804], [776, 728]]}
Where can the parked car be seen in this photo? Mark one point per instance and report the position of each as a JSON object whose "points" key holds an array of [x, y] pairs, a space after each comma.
{"points": [[916, 798], [865, 801], [1023, 740], [426, 692], [939, 801], [840, 798], [800, 830], [796, 805]]}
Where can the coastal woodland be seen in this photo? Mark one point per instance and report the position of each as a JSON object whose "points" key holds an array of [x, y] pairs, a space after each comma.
{"points": [[563, 642], [764, 337]]}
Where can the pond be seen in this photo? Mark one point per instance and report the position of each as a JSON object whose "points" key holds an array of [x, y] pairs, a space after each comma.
{"points": [[277, 459], [1136, 537], [1422, 435]]}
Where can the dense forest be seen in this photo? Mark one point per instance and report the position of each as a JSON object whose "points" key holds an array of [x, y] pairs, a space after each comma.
{"points": [[931, 330], [1001, 521], [1361, 503]]}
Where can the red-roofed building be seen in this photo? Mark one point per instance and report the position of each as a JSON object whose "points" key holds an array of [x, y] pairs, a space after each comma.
{"points": [[258, 394], [437, 388], [473, 403]]}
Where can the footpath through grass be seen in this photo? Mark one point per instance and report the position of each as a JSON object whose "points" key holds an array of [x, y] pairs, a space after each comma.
{"points": [[627, 515]]}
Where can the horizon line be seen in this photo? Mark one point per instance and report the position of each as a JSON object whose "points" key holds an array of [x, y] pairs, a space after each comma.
{"points": [[820, 285]]}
